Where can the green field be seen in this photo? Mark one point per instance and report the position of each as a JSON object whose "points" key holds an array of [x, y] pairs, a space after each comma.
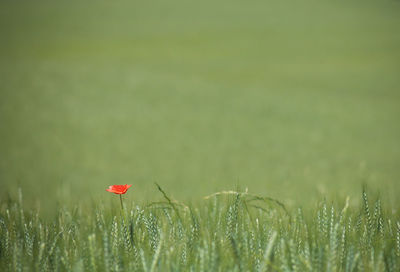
{"points": [[298, 101], [290, 99]]}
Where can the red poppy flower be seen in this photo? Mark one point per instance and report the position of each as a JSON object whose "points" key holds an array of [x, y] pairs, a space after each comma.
{"points": [[118, 189]]}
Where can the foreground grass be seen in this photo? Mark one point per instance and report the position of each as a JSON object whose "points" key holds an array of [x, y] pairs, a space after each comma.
{"points": [[230, 232]]}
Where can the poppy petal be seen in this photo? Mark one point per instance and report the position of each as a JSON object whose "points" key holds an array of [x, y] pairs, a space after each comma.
{"points": [[118, 189]]}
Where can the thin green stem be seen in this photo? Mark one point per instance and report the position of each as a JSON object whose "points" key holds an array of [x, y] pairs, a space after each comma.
{"points": [[120, 198]]}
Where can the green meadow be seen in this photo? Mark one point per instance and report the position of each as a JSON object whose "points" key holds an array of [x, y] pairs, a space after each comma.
{"points": [[277, 102]]}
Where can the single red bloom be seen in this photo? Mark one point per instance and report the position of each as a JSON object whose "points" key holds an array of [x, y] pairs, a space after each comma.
{"points": [[118, 189]]}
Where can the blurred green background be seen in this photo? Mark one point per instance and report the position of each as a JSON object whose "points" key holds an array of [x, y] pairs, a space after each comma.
{"points": [[292, 99]]}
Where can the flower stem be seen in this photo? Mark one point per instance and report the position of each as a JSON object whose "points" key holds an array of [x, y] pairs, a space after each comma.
{"points": [[120, 198]]}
